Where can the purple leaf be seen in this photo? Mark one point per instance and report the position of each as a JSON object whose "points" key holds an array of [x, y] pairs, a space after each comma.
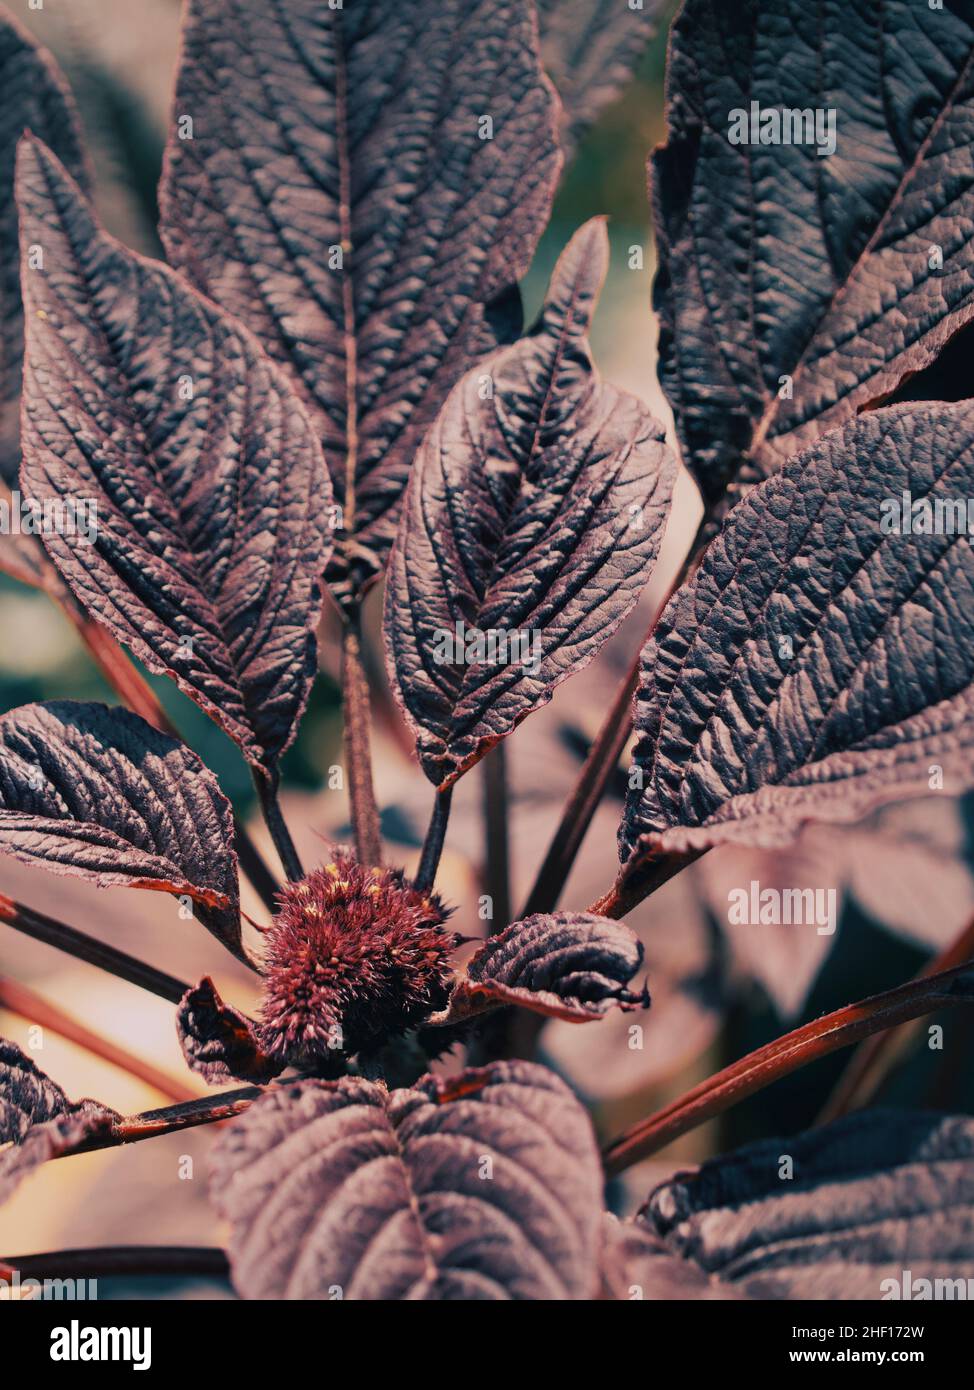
{"points": [[570, 965], [637, 1265], [796, 289], [207, 478], [485, 1186], [35, 96], [37, 1121], [590, 50], [868, 1207], [218, 1041], [340, 195], [100, 794], [818, 664], [532, 521]]}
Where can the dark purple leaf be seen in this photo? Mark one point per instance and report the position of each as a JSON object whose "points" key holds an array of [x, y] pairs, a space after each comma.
{"points": [[37, 1121], [570, 965], [534, 513], [35, 96], [101, 794], [590, 50], [796, 289], [321, 131], [875, 1204], [817, 664], [637, 1265], [484, 1186], [218, 1041], [205, 471]]}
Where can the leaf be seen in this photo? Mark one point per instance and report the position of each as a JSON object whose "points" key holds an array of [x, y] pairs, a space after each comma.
{"points": [[483, 1186], [357, 131], [534, 512], [218, 1041], [590, 50], [100, 794], [37, 1121], [877, 1202], [203, 468], [637, 1265], [796, 290], [35, 95], [571, 965], [817, 665]]}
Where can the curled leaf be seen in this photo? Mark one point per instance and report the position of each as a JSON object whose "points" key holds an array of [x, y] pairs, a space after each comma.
{"points": [[205, 525], [571, 965], [218, 1041], [811, 266], [37, 1121], [363, 186], [100, 794], [485, 1186], [532, 521], [876, 1206], [819, 663]]}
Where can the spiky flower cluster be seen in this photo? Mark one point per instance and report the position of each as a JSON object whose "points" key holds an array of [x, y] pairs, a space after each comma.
{"points": [[354, 956]]}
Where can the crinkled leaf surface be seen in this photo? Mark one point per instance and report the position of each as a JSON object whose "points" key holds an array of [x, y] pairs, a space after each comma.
{"points": [[204, 468], [357, 130], [383, 1195], [218, 1041], [816, 665], [590, 49], [534, 512], [637, 1265], [796, 289], [101, 794], [37, 1121], [571, 965], [872, 1196], [35, 97]]}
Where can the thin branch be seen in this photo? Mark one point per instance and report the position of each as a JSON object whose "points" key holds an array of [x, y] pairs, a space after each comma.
{"points": [[603, 758], [103, 1262], [358, 746], [255, 867], [640, 878], [496, 820], [429, 860], [874, 1059], [87, 948], [785, 1055], [20, 1000], [150, 1124], [276, 824]]}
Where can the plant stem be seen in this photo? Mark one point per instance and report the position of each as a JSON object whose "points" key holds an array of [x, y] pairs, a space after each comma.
{"points": [[358, 751], [20, 1000], [86, 948], [785, 1055], [170, 1119], [603, 758], [873, 1060], [429, 860], [641, 877], [274, 819], [498, 857], [255, 867], [102, 1262]]}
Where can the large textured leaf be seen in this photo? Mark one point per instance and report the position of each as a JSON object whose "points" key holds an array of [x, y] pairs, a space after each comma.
{"points": [[37, 1121], [356, 130], [534, 512], [206, 473], [637, 1265], [817, 664], [874, 1205], [795, 289], [484, 1186], [101, 794], [590, 49], [571, 965], [35, 96]]}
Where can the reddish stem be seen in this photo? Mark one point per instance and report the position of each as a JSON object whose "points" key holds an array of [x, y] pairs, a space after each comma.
{"points": [[102, 1262], [785, 1055]]}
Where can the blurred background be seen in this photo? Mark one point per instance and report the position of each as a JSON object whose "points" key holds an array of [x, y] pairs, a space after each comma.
{"points": [[904, 879]]}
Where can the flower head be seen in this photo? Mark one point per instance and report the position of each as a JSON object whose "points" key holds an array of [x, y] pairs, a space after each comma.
{"points": [[354, 956]]}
